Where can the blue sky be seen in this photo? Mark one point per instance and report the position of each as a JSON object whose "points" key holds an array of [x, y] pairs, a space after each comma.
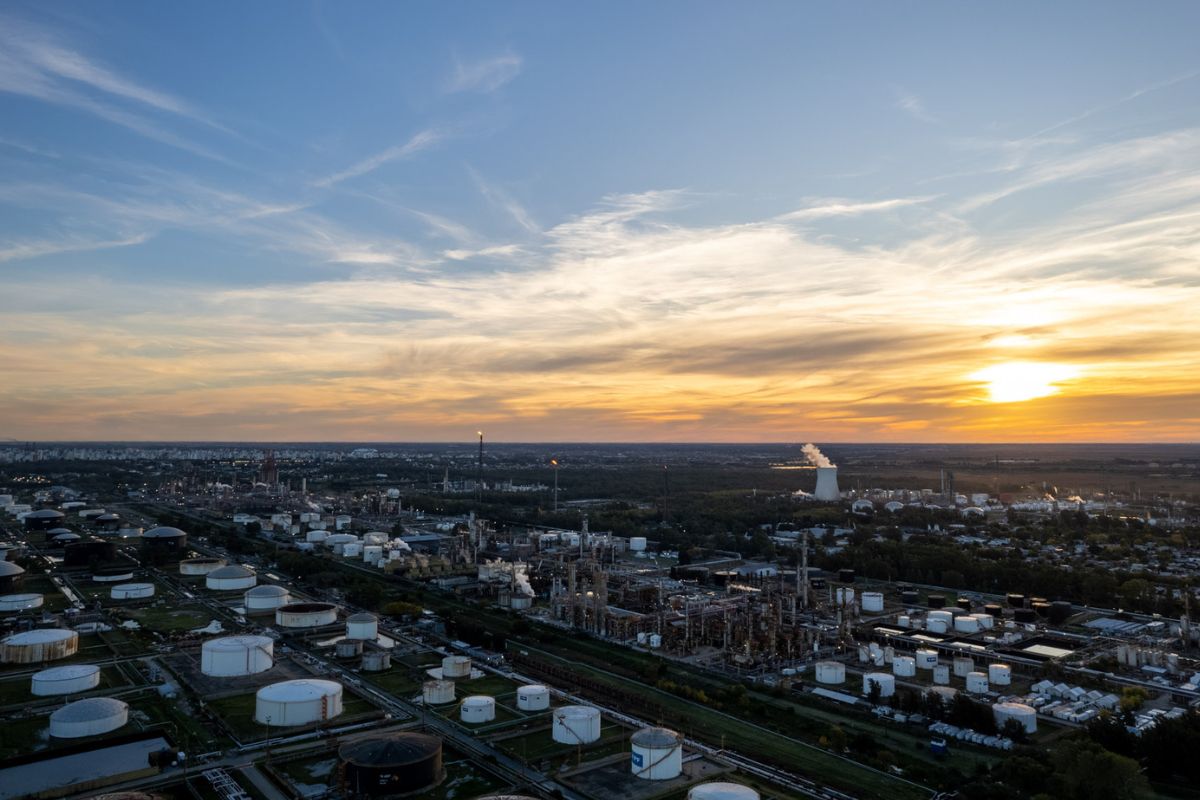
{"points": [[599, 221]]}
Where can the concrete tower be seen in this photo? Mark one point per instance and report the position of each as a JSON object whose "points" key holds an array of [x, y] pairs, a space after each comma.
{"points": [[827, 487]]}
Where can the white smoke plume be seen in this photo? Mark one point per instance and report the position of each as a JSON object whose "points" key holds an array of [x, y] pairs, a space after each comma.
{"points": [[815, 456]]}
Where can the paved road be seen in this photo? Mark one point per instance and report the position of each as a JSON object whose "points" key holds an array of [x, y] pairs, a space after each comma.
{"points": [[263, 783]]}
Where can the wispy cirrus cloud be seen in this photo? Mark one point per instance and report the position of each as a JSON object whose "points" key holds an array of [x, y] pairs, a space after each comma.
{"points": [[13, 251], [912, 105], [824, 208], [418, 142], [484, 75]]}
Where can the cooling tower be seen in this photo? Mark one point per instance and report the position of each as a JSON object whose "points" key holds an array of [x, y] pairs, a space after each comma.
{"points": [[827, 488]]}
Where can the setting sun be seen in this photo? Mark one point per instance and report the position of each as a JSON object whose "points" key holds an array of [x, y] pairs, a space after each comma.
{"points": [[1023, 380]]}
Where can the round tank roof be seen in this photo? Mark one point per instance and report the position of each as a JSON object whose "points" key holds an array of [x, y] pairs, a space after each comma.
{"points": [[67, 536], [391, 750], [231, 571], [40, 636], [89, 709], [67, 672], [57, 531], [655, 737], [236, 644], [8, 568], [45, 513], [299, 690], [108, 518], [266, 590], [163, 532], [364, 617]]}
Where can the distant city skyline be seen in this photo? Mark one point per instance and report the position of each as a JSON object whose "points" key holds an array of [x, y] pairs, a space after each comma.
{"points": [[379, 222]]}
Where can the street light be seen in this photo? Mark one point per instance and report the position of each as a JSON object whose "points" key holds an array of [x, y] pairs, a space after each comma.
{"points": [[554, 462]]}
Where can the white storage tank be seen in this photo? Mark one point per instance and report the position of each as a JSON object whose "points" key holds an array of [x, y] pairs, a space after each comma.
{"points": [[533, 697], [456, 667], [21, 602], [230, 656], [845, 596], [377, 660], [575, 725], [657, 754], [42, 644], [938, 621], [831, 672], [372, 553], [1026, 715], [655, 641], [306, 615], [986, 621], [362, 626], [966, 623], [298, 702], [90, 717], [637, 544], [132, 591], [436, 693], [67, 679], [926, 658], [341, 521], [1000, 674], [477, 709], [316, 537], [963, 666], [230, 579], [265, 598], [904, 666], [977, 682], [904, 621], [941, 674], [351, 550], [718, 790], [887, 683], [200, 566], [872, 601]]}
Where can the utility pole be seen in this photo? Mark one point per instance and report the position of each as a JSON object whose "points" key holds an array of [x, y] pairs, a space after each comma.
{"points": [[554, 462], [479, 471]]}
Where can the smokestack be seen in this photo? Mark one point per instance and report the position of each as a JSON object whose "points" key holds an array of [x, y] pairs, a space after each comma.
{"points": [[827, 486]]}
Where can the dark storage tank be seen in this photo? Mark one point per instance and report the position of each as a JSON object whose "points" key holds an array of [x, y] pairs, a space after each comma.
{"points": [[1060, 610], [164, 538], [936, 601], [88, 553], [391, 764], [1041, 608], [1016, 600], [964, 603], [846, 575], [909, 597], [43, 519], [995, 609], [1024, 615]]}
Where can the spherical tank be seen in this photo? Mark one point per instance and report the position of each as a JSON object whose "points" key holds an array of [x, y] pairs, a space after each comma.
{"points": [[237, 655], [265, 599], [1000, 674], [904, 666], [391, 764], [533, 697], [90, 717], [1026, 715], [657, 754], [132, 591], [831, 672], [436, 693], [20, 602], [306, 615], [576, 725], [926, 658], [299, 702], [362, 626], [43, 644], [872, 601], [718, 790], [886, 682], [200, 566], [456, 667], [67, 679], [977, 682], [231, 578], [477, 708]]}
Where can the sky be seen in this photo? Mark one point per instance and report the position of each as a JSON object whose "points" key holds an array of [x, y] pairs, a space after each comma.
{"points": [[622, 221]]}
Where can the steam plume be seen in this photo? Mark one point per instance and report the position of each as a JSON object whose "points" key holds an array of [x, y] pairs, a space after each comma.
{"points": [[815, 456]]}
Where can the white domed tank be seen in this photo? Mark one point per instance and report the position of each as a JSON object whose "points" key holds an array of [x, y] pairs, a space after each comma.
{"points": [[886, 682], [1026, 715], [963, 666], [904, 666], [938, 621], [21, 602], [926, 658], [986, 621], [477, 709], [132, 591], [966, 623], [831, 673], [90, 717], [657, 754], [371, 553], [904, 621], [338, 541], [67, 679], [941, 674], [977, 682], [306, 615], [230, 656], [42, 644], [637, 544], [299, 702], [362, 626], [265, 599], [1000, 674], [718, 790], [200, 566], [575, 725], [316, 536], [436, 693], [533, 697], [231, 578], [872, 601], [375, 537], [351, 550], [456, 667]]}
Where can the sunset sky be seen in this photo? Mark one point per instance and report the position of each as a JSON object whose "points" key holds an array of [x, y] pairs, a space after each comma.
{"points": [[666, 221]]}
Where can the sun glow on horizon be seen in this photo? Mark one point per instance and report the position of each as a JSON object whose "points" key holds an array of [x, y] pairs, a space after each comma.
{"points": [[1017, 381]]}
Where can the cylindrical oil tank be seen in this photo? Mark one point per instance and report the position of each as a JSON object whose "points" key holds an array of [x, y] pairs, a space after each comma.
{"points": [[1025, 615], [349, 550], [391, 764], [995, 609], [477, 708], [364, 627], [941, 673], [904, 621], [655, 641], [886, 682], [456, 667], [42, 644], [637, 543], [846, 576], [112, 574], [230, 656], [926, 658], [165, 537], [200, 566], [1041, 608], [348, 648], [977, 682], [299, 702], [1015, 600], [265, 599], [986, 621], [306, 615], [316, 537], [872, 601], [718, 790], [831, 672], [67, 679], [376, 660], [964, 603], [657, 754], [231, 578], [90, 717], [132, 591], [87, 552], [521, 602], [372, 553], [575, 725], [845, 596], [999, 674], [963, 666], [909, 598], [1026, 715], [936, 601], [436, 693], [21, 602], [533, 697], [966, 623], [904, 666], [1060, 611]]}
